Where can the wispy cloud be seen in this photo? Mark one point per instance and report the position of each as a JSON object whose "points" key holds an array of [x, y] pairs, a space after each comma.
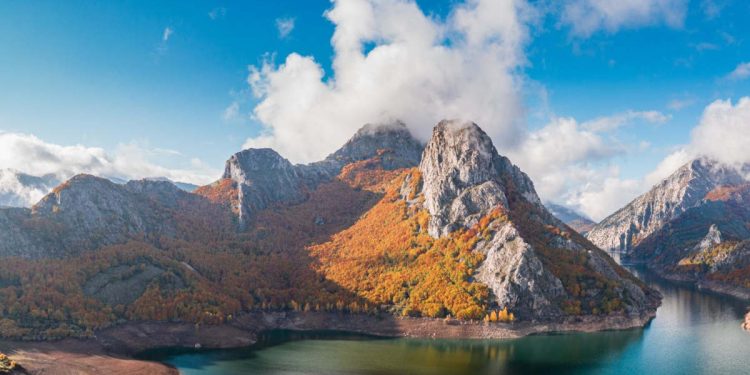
{"points": [[285, 26], [168, 31], [217, 13], [609, 123], [232, 112], [742, 71], [678, 104], [586, 17]]}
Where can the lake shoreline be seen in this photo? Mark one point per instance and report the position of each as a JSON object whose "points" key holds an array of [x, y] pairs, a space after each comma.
{"points": [[115, 350]]}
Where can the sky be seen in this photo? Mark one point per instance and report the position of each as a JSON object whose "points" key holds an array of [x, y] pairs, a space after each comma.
{"points": [[596, 100]]}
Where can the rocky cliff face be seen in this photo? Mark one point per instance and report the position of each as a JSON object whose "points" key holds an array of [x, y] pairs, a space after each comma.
{"points": [[684, 189], [526, 248], [464, 177], [261, 178]]}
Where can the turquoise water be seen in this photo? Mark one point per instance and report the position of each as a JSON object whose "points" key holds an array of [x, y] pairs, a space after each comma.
{"points": [[693, 333]]}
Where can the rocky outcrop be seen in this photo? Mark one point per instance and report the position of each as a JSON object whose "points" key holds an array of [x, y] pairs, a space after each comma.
{"points": [[684, 189], [464, 177], [263, 178], [525, 247]]}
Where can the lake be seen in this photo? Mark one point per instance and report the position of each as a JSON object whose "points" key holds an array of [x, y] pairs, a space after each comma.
{"points": [[693, 333]]}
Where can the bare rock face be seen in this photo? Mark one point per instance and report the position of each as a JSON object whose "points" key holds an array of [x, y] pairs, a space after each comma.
{"points": [[463, 177], [263, 177], [684, 189], [465, 180], [517, 276]]}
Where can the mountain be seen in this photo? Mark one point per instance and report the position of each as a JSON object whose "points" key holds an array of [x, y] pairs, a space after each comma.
{"points": [[530, 256], [256, 179], [384, 226], [572, 218], [22, 190], [708, 244], [188, 187], [692, 227], [684, 189], [88, 212]]}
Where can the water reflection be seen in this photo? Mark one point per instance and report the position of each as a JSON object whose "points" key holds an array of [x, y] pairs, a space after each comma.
{"points": [[693, 333]]}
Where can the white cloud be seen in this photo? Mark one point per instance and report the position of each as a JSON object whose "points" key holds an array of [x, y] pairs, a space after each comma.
{"points": [[232, 112], [285, 26], [217, 13], [586, 17], [168, 31], [678, 104], [724, 132], [609, 123], [558, 156], [609, 194], [28, 154], [417, 69], [741, 72]]}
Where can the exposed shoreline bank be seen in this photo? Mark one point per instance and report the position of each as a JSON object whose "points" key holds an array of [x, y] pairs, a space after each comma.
{"points": [[113, 350]]}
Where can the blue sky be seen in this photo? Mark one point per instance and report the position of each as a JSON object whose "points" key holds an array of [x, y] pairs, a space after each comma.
{"points": [[169, 79]]}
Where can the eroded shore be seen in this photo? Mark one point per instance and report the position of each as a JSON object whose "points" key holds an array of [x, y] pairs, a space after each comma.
{"points": [[112, 350]]}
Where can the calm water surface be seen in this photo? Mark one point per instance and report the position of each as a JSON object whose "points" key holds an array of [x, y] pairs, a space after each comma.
{"points": [[693, 333]]}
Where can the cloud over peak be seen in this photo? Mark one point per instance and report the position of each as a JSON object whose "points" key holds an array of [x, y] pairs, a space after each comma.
{"points": [[392, 61]]}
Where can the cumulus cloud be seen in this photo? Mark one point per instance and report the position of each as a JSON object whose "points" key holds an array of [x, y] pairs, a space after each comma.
{"points": [[392, 61], [723, 132], [741, 72], [285, 26], [28, 154], [558, 157], [586, 17]]}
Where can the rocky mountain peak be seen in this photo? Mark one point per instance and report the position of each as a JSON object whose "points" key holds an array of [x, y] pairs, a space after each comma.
{"points": [[464, 177], [372, 138], [686, 188]]}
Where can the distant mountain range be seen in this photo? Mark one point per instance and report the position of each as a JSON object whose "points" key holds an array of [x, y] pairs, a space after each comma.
{"points": [[385, 225], [19, 189], [691, 226], [571, 217]]}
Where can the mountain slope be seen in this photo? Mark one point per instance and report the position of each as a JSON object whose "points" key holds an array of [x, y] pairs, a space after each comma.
{"points": [[88, 212], [510, 253], [372, 229], [573, 219], [256, 179], [707, 244], [684, 189]]}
